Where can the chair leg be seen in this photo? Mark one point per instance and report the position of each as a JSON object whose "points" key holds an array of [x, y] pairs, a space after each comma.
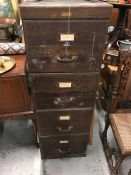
{"points": [[118, 163], [109, 153], [104, 134], [35, 131]]}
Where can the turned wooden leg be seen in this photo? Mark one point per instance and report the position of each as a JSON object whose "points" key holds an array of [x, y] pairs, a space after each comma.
{"points": [[118, 163], [104, 134]]}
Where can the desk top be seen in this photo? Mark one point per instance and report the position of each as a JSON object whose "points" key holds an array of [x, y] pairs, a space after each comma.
{"points": [[19, 68]]}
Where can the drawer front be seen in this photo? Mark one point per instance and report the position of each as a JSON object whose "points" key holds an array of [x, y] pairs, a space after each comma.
{"points": [[59, 83], [49, 33], [49, 50], [78, 59], [63, 122], [63, 146], [67, 100]]}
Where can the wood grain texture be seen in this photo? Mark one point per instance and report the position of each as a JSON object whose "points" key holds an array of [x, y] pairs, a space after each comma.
{"points": [[47, 53], [61, 122], [55, 9], [51, 83], [64, 74], [51, 147], [14, 94], [64, 100]]}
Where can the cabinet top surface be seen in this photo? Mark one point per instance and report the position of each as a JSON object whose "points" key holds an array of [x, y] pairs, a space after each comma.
{"points": [[58, 9], [65, 3]]}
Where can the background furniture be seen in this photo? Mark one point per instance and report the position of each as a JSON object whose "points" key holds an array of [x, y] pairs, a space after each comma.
{"points": [[15, 100], [7, 29], [64, 42], [119, 114], [120, 31]]}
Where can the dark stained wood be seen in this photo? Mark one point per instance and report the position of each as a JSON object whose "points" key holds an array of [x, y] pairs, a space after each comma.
{"points": [[60, 9], [53, 147], [25, 114], [44, 38], [63, 74], [53, 83], [46, 53], [61, 122], [128, 87], [14, 94], [80, 61], [120, 32], [64, 100]]}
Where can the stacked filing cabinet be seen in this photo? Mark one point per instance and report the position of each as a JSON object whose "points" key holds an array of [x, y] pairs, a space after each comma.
{"points": [[64, 42]]}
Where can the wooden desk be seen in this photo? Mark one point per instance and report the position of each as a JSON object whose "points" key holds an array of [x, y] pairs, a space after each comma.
{"points": [[14, 95]]}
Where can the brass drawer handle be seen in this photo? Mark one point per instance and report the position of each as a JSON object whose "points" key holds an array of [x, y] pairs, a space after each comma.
{"points": [[63, 151], [59, 100], [66, 58], [64, 130]]}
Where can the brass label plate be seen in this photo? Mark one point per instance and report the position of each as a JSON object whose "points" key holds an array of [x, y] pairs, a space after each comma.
{"points": [[64, 117], [65, 84], [64, 141], [66, 14], [67, 37]]}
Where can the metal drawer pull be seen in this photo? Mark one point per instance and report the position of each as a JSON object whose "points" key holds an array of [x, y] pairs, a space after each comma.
{"points": [[64, 130], [63, 151], [63, 100], [66, 58]]}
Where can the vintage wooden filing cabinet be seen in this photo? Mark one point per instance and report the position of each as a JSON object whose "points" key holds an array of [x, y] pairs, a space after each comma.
{"points": [[64, 43]]}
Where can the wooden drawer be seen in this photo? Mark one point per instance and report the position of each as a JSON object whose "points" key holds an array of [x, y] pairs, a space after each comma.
{"points": [[49, 50], [64, 100], [61, 122], [78, 59], [64, 82], [63, 146], [49, 33]]}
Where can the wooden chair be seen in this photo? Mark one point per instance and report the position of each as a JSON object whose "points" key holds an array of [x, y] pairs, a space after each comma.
{"points": [[119, 118], [107, 76]]}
